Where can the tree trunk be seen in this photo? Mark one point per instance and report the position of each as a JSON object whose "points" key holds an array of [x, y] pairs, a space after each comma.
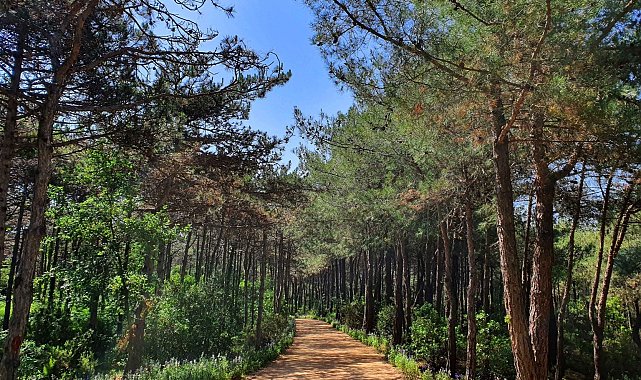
{"points": [[452, 312], [560, 364], [183, 266], [8, 142], [597, 332], [389, 283], [368, 315], [397, 335], [14, 259], [470, 372], [541, 307], [513, 291], [526, 273], [619, 231], [261, 291], [23, 287], [407, 287], [136, 334]]}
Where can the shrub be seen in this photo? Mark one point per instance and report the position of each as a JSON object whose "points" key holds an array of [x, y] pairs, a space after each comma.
{"points": [[191, 321], [218, 367], [429, 336], [494, 352], [352, 314], [385, 321]]}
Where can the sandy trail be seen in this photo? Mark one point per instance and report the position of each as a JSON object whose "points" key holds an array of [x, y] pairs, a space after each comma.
{"points": [[321, 352]]}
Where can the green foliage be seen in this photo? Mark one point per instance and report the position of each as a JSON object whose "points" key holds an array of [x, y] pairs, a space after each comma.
{"points": [[494, 352], [429, 336], [191, 320], [385, 321], [225, 367], [70, 360], [351, 314], [408, 366]]}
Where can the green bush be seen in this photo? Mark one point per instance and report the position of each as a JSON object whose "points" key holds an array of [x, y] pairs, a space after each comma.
{"points": [[219, 367], [385, 321], [352, 314], [493, 349], [190, 321], [428, 335], [71, 360]]}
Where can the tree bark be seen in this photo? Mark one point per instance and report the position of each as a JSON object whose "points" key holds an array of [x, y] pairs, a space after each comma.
{"points": [[543, 256], [183, 266], [407, 287], [513, 291], [597, 332]]}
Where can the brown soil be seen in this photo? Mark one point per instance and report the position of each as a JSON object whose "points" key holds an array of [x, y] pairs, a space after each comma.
{"points": [[321, 352]]}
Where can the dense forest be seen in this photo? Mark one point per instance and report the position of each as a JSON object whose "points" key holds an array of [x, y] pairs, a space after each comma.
{"points": [[476, 211]]}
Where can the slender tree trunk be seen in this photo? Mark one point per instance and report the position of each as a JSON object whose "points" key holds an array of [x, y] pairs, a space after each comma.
{"points": [[485, 288], [261, 291], [52, 270], [183, 266], [389, 284], [452, 312], [635, 325], [420, 278], [8, 142], [14, 259], [23, 288], [397, 335], [597, 332], [368, 315], [560, 364], [438, 275], [136, 338], [526, 273], [513, 291], [619, 231], [407, 287], [541, 308], [470, 372]]}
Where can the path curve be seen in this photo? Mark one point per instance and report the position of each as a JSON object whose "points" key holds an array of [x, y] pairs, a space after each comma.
{"points": [[321, 352]]}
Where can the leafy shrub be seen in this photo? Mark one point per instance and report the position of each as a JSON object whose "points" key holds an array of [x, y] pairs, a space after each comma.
{"points": [[494, 352], [429, 336], [352, 314], [191, 321], [385, 321], [71, 360], [219, 367]]}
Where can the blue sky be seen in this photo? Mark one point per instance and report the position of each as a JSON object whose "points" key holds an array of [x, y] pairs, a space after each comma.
{"points": [[282, 27]]}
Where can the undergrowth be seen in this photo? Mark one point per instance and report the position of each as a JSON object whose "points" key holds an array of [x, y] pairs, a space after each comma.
{"points": [[216, 368]]}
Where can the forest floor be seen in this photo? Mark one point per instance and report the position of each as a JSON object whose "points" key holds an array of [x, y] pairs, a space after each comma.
{"points": [[321, 352]]}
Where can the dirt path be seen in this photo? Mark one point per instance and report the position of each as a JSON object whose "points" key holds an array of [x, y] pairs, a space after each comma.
{"points": [[321, 352]]}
